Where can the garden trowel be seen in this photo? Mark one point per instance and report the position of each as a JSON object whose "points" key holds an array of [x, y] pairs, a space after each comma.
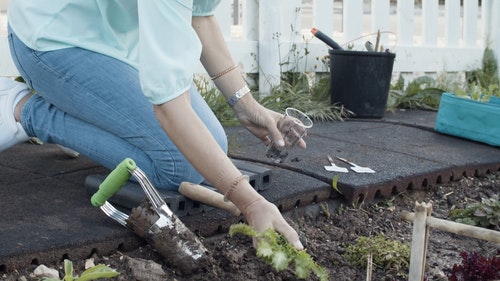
{"points": [[356, 168], [334, 168]]}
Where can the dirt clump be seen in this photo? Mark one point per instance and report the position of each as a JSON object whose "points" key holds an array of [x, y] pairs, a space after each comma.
{"points": [[170, 238]]}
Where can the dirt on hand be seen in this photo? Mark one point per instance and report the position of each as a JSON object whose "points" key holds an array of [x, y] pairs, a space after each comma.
{"points": [[325, 234]]}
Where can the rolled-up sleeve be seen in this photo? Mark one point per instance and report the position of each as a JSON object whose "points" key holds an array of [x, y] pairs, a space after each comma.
{"points": [[204, 7], [169, 49]]}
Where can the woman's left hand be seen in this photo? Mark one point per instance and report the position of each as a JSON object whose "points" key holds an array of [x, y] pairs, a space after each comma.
{"points": [[260, 121]]}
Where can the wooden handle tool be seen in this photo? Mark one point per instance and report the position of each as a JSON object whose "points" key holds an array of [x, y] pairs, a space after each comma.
{"points": [[207, 196]]}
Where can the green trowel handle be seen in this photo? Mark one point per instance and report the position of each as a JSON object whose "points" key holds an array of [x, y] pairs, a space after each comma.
{"points": [[113, 182]]}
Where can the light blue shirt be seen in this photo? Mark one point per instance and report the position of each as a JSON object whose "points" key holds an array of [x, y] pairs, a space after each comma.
{"points": [[153, 36]]}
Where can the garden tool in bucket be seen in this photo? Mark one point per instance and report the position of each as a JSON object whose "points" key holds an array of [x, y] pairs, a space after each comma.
{"points": [[152, 220]]}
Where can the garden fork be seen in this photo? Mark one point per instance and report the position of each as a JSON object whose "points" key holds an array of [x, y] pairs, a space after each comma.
{"points": [[114, 213]]}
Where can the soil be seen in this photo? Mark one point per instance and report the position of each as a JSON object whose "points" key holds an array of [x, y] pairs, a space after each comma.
{"points": [[325, 233]]}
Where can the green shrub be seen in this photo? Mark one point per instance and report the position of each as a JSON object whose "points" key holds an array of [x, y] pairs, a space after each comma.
{"points": [[484, 214], [392, 255]]}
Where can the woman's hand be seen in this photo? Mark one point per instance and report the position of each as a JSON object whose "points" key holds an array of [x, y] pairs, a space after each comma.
{"points": [[261, 215], [260, 121]]}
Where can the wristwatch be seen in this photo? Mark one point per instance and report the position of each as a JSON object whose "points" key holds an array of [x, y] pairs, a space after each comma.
{"points": [[232, 100]]}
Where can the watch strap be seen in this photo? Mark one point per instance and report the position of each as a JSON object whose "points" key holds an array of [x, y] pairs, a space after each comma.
{"points": [[232, 100]]}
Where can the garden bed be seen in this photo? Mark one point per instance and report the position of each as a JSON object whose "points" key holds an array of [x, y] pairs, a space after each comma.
{"points": [[326, 237]]}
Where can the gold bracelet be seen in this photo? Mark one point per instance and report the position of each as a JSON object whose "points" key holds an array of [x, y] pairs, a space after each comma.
{"points": [[224, 72], [233, 185]]}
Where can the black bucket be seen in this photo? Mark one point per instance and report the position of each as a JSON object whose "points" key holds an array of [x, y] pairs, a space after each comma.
{"points": [[361, 80]]}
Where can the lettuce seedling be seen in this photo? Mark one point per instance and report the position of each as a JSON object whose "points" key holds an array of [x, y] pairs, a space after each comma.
{"points": [[93, 273], [276, 251]]}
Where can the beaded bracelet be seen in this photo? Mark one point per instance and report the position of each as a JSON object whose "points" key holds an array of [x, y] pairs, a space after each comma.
{"points": [[233, 185], [224, 72]]}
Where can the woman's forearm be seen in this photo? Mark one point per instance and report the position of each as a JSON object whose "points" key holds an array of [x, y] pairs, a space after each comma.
{"points": [[190, 135]]}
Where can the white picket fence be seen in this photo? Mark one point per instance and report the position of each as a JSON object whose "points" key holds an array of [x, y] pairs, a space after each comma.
{"points": [[270, 36]]}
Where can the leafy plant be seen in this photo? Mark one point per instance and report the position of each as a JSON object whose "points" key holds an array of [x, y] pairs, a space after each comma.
{"points": [[93, 273], [392, 255], [488, 74], [479, 93], [275, 250], [484, 82], [475, 267], [422, 92], [484, 214], [425, 92]]}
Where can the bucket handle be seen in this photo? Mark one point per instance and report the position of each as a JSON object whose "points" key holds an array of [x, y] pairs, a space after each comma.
{"points": [[344, 45]]}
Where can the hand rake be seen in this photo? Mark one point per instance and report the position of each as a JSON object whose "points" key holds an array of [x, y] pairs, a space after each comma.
{"points": [[160, 227]]}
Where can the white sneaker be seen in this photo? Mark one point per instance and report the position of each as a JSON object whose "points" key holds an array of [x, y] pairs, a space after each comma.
{"points": [[11, 132]]}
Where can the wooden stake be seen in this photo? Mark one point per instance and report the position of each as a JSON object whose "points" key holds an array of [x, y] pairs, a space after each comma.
{"points": [[457, 228], [418, 245], [426, 243], [422, 221], [369, 267]]}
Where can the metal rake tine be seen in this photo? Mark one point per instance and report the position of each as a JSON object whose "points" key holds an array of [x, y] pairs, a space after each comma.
{"points": [[148, 188], [114, 213]]}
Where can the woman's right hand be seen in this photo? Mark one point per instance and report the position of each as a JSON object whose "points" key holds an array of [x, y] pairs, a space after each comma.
{"points": [[262, 215]]}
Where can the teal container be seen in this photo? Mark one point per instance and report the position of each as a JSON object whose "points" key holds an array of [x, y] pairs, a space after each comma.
{"points": [[470, 119]]}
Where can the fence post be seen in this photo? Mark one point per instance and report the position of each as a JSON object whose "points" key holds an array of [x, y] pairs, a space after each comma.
{"points": [[430, 9], [352, 19], [452, 10], [290, 39], [323, 14], [380, 18], [470, 23], [223, 14], [405, 10], [491, 9], [250, 20], [3, 5], [269, 38]]}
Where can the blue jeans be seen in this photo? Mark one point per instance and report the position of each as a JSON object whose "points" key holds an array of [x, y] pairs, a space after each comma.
{"points": [[94, 104]]}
